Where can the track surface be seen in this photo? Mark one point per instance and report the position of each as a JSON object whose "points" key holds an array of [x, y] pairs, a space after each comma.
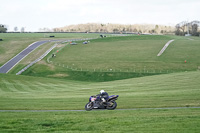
{"points": [[97, 109], [164, 48], [11, 63]]}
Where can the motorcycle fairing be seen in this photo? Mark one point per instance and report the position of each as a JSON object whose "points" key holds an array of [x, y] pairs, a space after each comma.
{"points": [[113, 97]]}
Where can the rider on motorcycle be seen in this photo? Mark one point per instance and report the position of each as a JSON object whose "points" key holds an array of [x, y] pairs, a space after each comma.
{"points": [[103, 96]]}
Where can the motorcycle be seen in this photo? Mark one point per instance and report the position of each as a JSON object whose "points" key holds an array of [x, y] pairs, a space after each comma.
{"points": [[95, 102]]}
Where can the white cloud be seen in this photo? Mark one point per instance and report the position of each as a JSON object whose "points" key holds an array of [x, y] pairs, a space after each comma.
{"points": [[57, 13]]}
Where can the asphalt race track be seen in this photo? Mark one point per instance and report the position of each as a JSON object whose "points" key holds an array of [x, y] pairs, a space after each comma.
{"points": [[11, 63]]}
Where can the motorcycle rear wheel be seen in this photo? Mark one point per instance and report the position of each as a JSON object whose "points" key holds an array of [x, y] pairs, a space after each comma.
{"points": [[114, 105], [89, 106]]}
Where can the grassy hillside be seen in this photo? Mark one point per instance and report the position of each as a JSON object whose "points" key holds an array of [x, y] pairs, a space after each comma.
{"points": [[35, 93], [52, 86], [170, 90], [151, 121], [13, 43], [132, 53], [117, 58]]}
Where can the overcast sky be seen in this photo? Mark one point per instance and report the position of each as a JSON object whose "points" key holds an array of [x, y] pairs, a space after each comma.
{"points": [[35, 14]]}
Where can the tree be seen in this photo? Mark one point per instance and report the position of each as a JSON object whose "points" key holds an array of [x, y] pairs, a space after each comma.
{"points": [[135, 30], [152, 31], [115, 30], [157, 29], [194, 30], [124, 29], [3, 28], [15, 29], [178, 31], [22, 29]]}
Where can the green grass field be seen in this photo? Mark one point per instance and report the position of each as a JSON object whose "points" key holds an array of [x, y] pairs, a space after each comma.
{"points": [[132, 53], [169, 90], [115, 58], [34, 93], [140, 78], [13, 43], [140, 121]]}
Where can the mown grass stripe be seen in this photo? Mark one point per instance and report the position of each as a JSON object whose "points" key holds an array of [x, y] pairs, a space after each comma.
{"points": [[30, 85], [61, 87], [20, 86], [25, 86], [9, 86], [161, 108], [41, 86], [3, 87]]}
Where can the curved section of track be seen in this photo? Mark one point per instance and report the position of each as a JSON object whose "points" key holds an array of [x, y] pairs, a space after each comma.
{"points": [[11, 63], [15, 60]]}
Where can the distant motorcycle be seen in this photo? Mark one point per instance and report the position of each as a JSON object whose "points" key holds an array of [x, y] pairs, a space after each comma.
{"points": [[95, 102]]}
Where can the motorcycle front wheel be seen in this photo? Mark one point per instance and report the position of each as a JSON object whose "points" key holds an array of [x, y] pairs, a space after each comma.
{"points": [[89, 106], [112, 106]]}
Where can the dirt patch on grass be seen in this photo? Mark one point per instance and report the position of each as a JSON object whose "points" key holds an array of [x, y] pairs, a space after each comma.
{"points": [[60, 45], [59, 75], [51, 66]]}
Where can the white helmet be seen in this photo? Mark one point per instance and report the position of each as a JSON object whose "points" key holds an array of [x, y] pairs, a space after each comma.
{"points": [[102, 91]]}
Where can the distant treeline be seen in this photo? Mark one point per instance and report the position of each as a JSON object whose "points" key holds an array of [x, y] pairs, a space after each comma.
{"points": [[180, 29], [188, 28], [74, 32], [117, 28]]}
